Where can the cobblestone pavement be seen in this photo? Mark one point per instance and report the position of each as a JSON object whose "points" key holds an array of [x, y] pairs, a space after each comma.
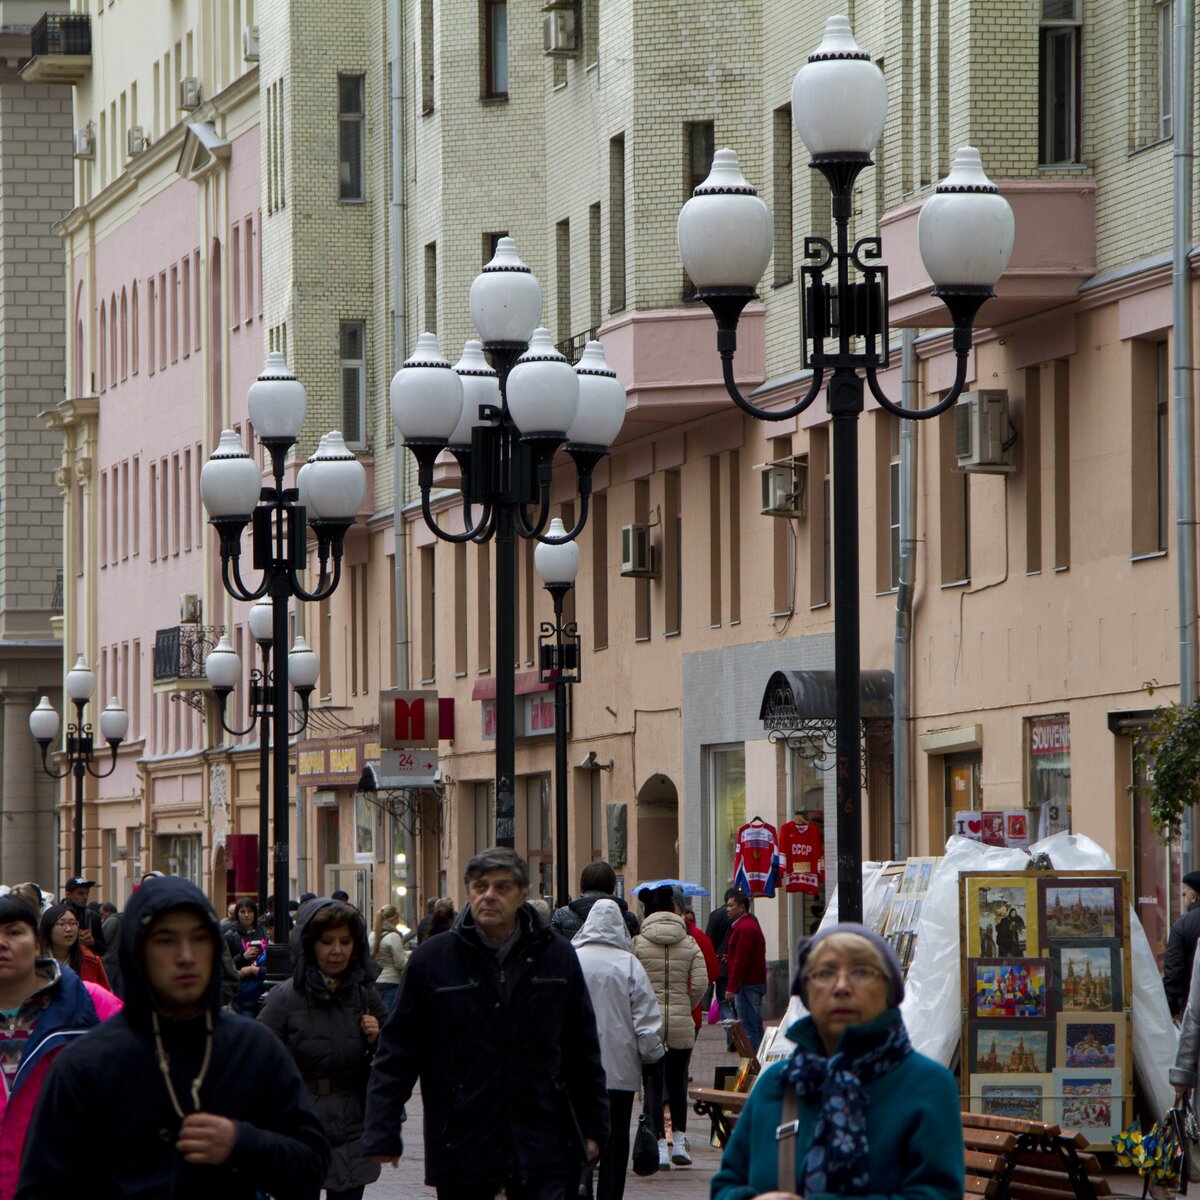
{"points": [[407, 1180]]}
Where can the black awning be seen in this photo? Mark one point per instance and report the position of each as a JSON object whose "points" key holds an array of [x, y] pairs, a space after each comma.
{"points": [[794, 698]]}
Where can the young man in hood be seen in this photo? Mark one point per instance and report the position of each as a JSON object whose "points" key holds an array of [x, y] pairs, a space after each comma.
{"points": [[493, 1018], [597, 881], [202, 1103]]}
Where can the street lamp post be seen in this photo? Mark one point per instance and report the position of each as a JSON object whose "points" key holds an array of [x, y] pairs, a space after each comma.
{"points": [[557, 564], [503, 422], [223, 668], [114, 725], [965, 233], [328, 493]]}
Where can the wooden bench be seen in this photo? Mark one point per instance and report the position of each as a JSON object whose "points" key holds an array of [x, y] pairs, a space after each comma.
{"points": [[1011, 1159], [723, 1102]]}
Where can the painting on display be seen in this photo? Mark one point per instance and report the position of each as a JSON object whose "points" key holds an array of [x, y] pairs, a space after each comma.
{"points": [[1089, 1102], [1087, 1040], [1080, 909], [1088, 978], [1009, 989], [1001, 916], [1027, 1098], [1000, 1049]]}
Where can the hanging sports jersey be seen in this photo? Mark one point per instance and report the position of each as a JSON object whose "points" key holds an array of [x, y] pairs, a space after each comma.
{"points": [[756, 859], [802, 848]]}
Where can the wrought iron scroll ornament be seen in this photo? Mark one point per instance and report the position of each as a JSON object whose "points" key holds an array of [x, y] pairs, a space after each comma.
{"points": [[195, 641], [406, 806]]}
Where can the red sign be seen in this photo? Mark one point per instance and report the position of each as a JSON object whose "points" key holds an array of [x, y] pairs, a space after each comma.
{"points": [[414, 719], [1049, 735]]}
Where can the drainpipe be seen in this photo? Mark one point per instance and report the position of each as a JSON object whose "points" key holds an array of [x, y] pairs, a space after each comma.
{"points": [[1181, 316], [902, 654]]}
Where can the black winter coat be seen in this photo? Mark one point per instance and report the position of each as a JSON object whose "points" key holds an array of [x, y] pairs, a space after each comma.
{"points": [[322, 1032], [105, 1102], [569, 919], [499, 1051], [1177, 964]]}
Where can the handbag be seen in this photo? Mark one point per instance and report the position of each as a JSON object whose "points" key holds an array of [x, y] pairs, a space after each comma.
{"points": [[645, 1148], [714, 1010], [1154, 1155]]}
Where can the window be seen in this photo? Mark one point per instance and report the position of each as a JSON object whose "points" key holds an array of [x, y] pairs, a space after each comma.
{"points": [[727, 805], [431, 294], [483, 606], [490, 242], [594, 301], [249, 243], [186, 299], [235, 282], [103, 340], [616, 224], [354, 382], [426, 57], [1149, 448], [1060, 52], [1162, 463], [174, 313], [599, 524], [562, 274], [641, 587], [1049, 764], [124, 335], [715, 548], [495, 49], [953, 507], [672, 553], [893, 494], [538, 831], [351, 178], [1157, 868], [460, 608], [782, 207], [1166, 56], [428, 615], [783, 548], [699, 140], [591, 32], [963, 787], [485, 816], [819, 517]]}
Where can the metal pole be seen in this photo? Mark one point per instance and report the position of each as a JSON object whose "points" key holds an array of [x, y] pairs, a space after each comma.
{"points": [[506, 654], [279, 714], [79, 770], [264, 780], [562, 882], [845, 403]]}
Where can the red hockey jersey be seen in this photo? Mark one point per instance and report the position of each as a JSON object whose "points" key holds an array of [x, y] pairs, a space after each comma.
{"points": [[756, 859], [803, 850]]}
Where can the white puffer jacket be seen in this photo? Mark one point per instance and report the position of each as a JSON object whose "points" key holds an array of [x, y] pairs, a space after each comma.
{"points": [[675, 964], [627, 1014]]}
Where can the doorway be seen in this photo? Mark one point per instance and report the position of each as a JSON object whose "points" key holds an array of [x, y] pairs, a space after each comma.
{"points": [[658, 829]]}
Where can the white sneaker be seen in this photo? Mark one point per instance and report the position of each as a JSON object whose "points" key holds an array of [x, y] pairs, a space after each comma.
{"points": [[664, 1155], [679, 1152]]}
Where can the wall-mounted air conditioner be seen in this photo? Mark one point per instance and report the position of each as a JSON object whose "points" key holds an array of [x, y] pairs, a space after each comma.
{"points": [[785, 488], [85, 142], [560, 28], [189, 93], [983, 435], [136, 141], [250, 43], [639, 559]]}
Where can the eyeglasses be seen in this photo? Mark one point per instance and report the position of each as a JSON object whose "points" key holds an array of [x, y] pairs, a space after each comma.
{"points": [[857, 976], [67, 924]]}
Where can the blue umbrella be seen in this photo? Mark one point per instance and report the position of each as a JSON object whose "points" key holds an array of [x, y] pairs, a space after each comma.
{"points": [[688, 889]]}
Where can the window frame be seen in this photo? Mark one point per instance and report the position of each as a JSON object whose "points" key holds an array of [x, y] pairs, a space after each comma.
{"points": [[1053, 30], [1164, 14], [359, 365], [347, 120], [491, 90]]}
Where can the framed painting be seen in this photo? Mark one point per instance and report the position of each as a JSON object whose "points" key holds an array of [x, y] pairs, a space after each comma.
{"points": [[1016, 1049], [1080, 908], [1009, 988], [1089, 1102], [1027, 1097], [1090, 1040], [1000, 916], [1088, 977]]}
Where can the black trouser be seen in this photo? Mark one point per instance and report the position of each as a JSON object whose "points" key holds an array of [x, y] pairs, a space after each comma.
{"points": [[349, 1194], [614, 1158], [514, 1189], [670, 1076]]}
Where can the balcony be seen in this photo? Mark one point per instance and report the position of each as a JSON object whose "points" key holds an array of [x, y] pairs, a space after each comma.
{"points": [[1054, 253], [61, 49], [179, 656]]}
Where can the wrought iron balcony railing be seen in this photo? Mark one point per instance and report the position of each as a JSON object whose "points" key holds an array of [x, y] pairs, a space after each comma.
{"points": [[179, 651]]}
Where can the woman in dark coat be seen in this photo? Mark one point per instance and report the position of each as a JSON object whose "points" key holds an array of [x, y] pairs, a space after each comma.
{"points": [[328, 1016]]}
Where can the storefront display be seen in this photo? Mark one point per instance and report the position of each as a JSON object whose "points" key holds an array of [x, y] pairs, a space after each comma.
{"points": [[1046, 964]]}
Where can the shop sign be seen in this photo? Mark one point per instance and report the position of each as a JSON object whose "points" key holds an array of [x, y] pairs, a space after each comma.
{"points": [[408, 768], [417, 718], [1049, 735], [534, 716], [334, 762]]}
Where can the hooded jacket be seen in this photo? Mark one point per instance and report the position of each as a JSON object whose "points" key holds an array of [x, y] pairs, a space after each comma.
{"points": [[68, 1009], [676, 968], [503, 1050], [627, 1014], [322, 1031], [108, 1091], [569, 919]]}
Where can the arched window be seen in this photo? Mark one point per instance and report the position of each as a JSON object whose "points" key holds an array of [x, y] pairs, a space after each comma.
{"points": [[103, 340], [113, 364], [77, 365], [134, 331], [124, 335]]}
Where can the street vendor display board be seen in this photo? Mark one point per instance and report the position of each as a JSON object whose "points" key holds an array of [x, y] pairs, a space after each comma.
{"points": [[1046, 987]]}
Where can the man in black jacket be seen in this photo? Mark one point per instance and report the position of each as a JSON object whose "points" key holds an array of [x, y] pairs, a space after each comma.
{"points": [[598, 881], [1181, 947], [495, 1020], [198, 1102]]}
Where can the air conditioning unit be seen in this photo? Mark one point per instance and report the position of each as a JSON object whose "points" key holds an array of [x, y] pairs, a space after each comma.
{"points": [[983, 435], [136, 141], [560, 28], [784, 489], [85, 142], [250, 43], [190, 609], [639, 559], [189, 93]]}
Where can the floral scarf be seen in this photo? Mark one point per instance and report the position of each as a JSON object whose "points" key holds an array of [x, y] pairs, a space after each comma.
{"points": [[837, 1159]]}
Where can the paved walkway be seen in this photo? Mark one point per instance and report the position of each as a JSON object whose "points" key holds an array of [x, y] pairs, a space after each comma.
{"points": [[407, 1180]]}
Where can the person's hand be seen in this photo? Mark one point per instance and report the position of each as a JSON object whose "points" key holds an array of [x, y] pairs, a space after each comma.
{"points": [[394, 1160], [370, 1027], [206, 1138], [85, 936], [249, 969], [591, 1148]]}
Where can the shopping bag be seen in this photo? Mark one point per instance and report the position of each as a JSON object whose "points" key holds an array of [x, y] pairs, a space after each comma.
{"points": [[1154, 1155], [714, 1010], [645, 1148]]}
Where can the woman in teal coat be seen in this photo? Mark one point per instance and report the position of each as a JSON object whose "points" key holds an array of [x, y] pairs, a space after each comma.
{"points": [[867, 1116]]}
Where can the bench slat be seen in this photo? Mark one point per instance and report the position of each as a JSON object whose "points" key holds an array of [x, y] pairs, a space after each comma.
{"points": [[996, 1141]]}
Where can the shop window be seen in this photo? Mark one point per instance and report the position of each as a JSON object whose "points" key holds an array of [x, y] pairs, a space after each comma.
{"points": [[1157, 866], [727, 801], [485, 816], [1048, 742], [539, 835]]}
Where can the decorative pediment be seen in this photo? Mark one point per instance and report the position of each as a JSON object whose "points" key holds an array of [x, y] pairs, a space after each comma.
{"points": [[203, 151]]}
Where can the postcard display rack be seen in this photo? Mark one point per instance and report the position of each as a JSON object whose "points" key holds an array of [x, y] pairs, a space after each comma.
{"points": [[1046, 993]]}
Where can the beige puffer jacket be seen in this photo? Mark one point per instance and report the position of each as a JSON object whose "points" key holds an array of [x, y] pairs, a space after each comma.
{"points": [[675, 964]]}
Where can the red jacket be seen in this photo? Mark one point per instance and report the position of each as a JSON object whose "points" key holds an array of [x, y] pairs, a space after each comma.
{"points": [[711, 962], [746, 954]]}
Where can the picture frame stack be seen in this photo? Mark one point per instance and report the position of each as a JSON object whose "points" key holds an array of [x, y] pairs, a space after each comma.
{"points": [[903, 914], [1046, 992]]}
